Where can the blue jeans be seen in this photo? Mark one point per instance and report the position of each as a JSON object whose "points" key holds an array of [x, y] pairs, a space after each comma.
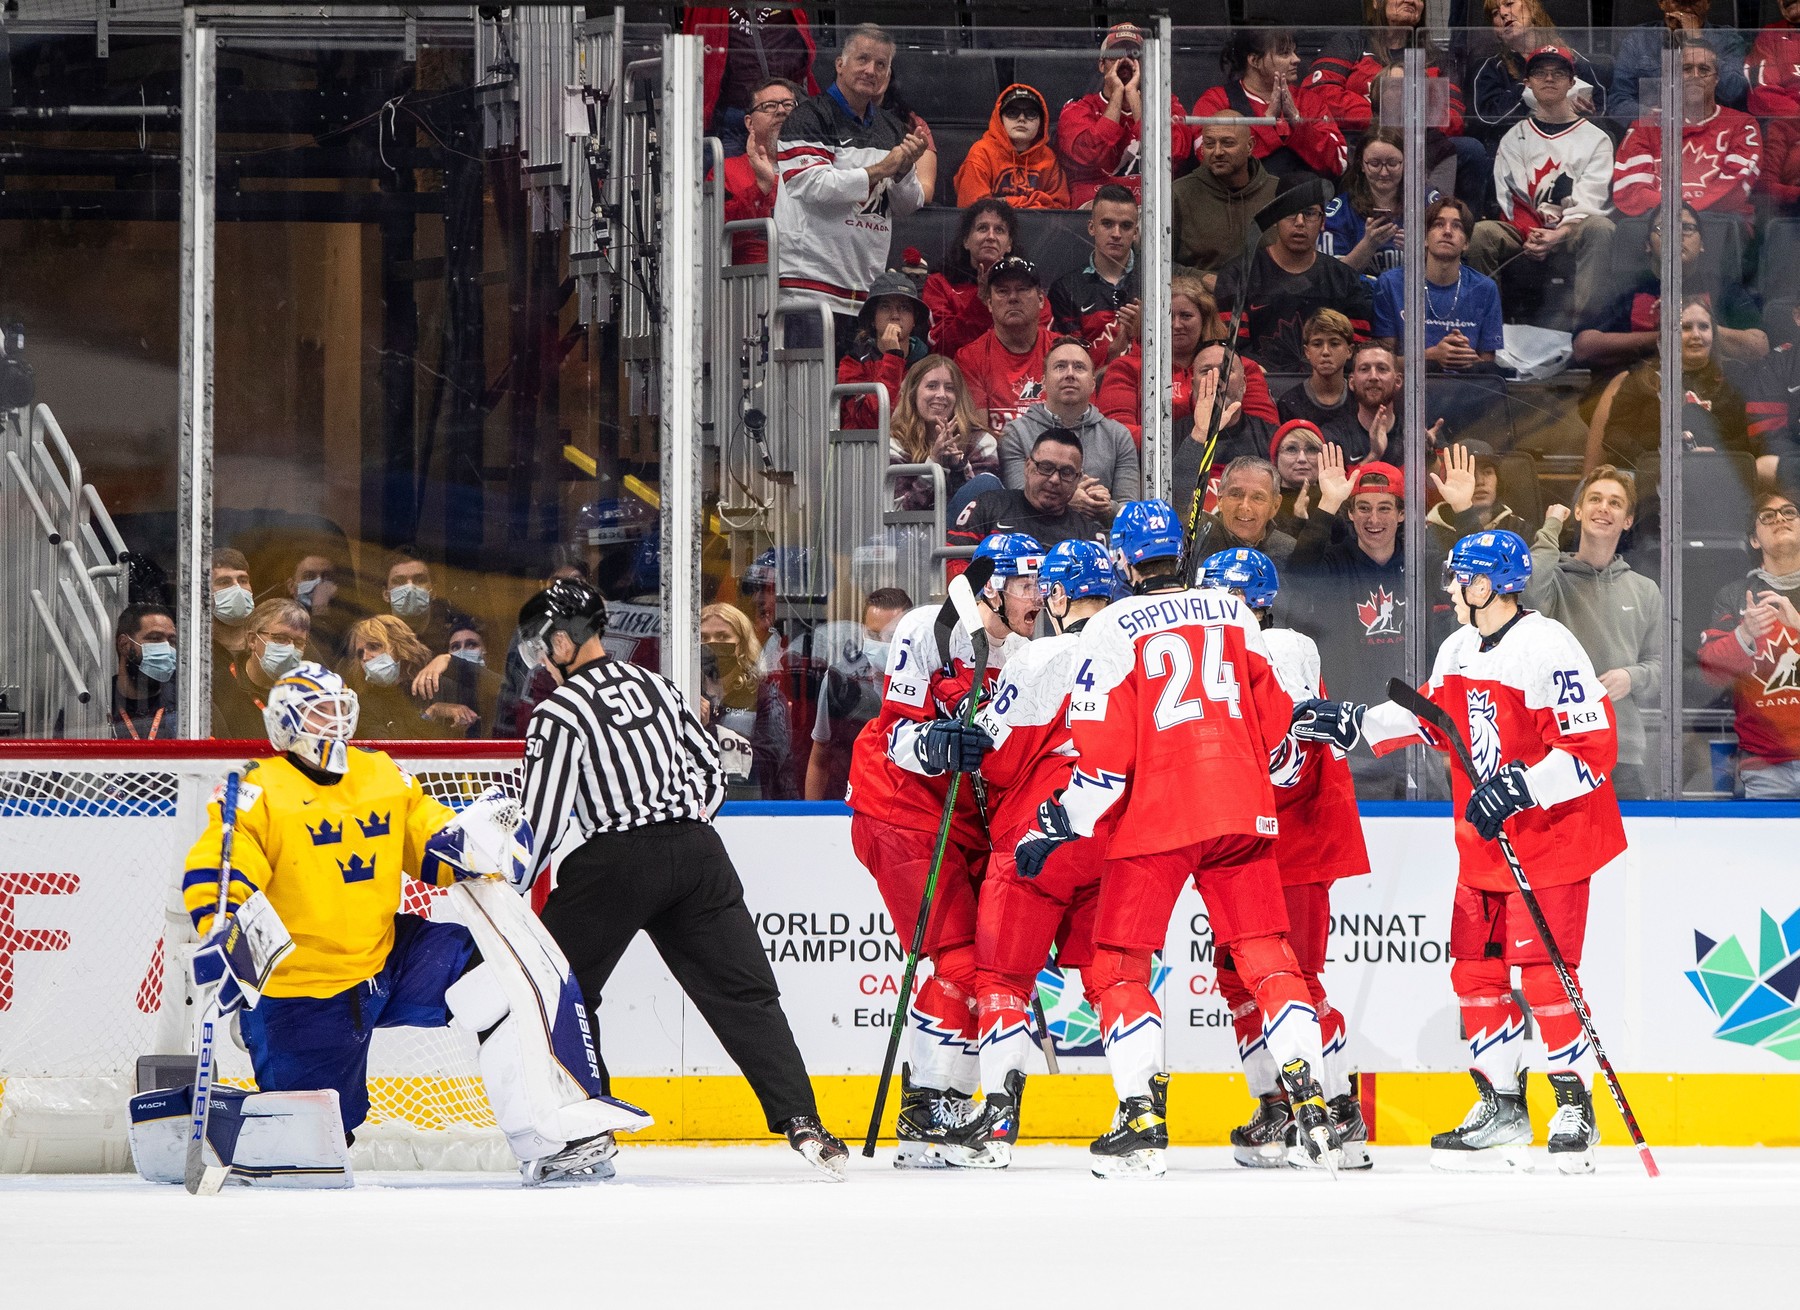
{"points": [[1772, 782]]}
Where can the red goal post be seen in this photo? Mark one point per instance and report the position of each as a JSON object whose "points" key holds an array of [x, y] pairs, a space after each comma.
{"points": [[94, 944]]}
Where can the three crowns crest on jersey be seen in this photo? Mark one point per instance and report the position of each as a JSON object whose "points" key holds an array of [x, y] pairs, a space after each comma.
{"points": [[325, 834], [375, 825], [356, 869]]}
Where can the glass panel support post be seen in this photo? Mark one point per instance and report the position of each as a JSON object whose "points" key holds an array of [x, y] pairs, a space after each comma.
{"points": [[1673, 390], [194, 532], [1154, 248], [682, 389], [1412, 396]]}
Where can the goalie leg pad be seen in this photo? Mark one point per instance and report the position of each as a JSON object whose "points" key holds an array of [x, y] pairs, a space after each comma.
{"points": [[269, 1139], [537, 1058]]}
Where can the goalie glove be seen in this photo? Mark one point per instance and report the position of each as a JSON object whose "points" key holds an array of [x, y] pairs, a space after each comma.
{"points": [[1336, 721], [241, 953], [1053, 830], [489, 837], [1498, 799], [950, 745]]}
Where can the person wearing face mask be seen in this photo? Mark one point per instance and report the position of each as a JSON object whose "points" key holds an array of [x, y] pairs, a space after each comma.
{"points": [[274, 642], [384, 659], [233, 598], [314, 582], [409, 596], [851, 693], [468, 681], [751, 722], [143, 690]]}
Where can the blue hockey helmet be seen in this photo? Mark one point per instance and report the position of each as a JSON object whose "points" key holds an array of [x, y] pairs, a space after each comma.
{"points": [[1080, 568], [1500, 556], [1145, 530], [1015, 554], [1244, 570]]}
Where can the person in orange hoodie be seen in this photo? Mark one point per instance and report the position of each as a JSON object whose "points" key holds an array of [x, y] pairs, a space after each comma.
{"points": [[1013, 159]]}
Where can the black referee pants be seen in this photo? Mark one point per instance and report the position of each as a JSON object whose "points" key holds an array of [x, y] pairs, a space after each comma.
{"points": [[676, 882]]}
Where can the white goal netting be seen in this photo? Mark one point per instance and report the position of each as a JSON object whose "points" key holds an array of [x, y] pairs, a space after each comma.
{"points": [[94, 945]]}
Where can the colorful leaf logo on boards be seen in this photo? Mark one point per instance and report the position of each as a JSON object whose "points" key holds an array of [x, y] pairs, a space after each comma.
{"points": [[1756, 1003]]}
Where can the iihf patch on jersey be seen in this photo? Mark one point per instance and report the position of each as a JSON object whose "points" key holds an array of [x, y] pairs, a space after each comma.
{"points": [[1585, 719], [1267, 826], [248, 794]]}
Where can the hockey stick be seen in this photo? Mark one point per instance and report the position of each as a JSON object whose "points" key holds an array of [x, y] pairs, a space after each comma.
{"points": [[206, 1173], [1045, 1040], [1408, 697], [961, 605]]}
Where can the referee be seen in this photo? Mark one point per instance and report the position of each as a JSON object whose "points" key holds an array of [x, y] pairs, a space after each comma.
{"points": [[617, 750]]}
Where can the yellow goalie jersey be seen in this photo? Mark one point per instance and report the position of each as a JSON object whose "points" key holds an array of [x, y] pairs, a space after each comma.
{"points": [[330, 860]]}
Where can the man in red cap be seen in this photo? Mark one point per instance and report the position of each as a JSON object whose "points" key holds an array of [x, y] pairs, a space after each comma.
{"points": [[1099, 135]]}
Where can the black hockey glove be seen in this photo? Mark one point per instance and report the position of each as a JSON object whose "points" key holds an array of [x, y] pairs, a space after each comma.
{"points": [[1498, 799], [1336, 721], [952, 745], [1053, 830]]}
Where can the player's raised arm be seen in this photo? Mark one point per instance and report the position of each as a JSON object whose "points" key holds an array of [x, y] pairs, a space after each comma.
{"points": [[249, 864]]}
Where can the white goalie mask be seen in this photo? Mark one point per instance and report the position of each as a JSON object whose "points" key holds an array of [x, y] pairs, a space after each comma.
{"points": [[312, 714]]}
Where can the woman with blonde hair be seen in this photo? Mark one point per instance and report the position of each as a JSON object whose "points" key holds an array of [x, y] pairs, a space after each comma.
{"points": [[744, 708], [385, 657], [1501, 96], [274, 641], [934, 422]]}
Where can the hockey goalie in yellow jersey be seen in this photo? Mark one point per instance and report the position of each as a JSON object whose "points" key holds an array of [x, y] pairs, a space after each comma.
{"points": [[321, 955]]}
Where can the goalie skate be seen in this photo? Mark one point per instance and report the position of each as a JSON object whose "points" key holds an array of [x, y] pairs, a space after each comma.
{"points": [[1139, 1140], [929, 1119], [1262, 1143], [1315, 1133], [586, 1161], [822, 1149], [1493, 1138], [987, 1142], [1573, 1133]]}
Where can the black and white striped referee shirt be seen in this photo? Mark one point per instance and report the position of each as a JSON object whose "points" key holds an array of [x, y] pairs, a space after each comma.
{"points": [[616, 747]]}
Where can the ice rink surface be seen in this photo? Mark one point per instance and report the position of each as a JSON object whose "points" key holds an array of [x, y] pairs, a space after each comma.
{"points": [[749, 1225]]}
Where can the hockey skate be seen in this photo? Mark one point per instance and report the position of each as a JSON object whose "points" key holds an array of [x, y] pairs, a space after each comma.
{"points": [[1493, 1138], [927, 1121], [1139, 1138], [1346, 1112], [822, 1149], [586, 1161], [1316, 1141], [1573, 1133], [1262, 1143], [987, 1141]]}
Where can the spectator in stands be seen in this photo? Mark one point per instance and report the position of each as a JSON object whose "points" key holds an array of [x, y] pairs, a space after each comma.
{"points": [[848, 169], [384, 659], [1100, 303], [1295, 451], [935, 422], [1262, 75], [1365, 224], [1323, 396], [1626, 331], [1240, 432], [233, 601], [1753, 647], [957, 296], [407, 591], [144, 690], [1503, 95], [892, 329], [1215, 206], [1462, 307], [274, 642], [1628, 420], [1553, 175], [1721, 148], [1244, 511], [1616, 614], [314, 582], [1013, 160], [1353, 71], [745, 43], [1366, 434], [851, 694], [1041, 508], [1290, 278], [1773, 407], [1470, 491], [1005, 365], [1098, 136], [1774, 75], [1193, 321], [1639, 57], [750, 178], [468, 681], [1109, 456], [749, 717]]}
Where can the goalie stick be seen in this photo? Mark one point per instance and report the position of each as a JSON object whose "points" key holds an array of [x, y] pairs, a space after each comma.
{"points": [[960, 606], [1407, 696], [206, 1172]]}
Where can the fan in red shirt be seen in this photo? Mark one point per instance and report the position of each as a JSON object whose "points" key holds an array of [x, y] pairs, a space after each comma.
{"points": [[900, 771], [1542, 735], [1176, 698], [1262, 69], [1004, 366], [1099, 136], [751, 179], [956, 295]]}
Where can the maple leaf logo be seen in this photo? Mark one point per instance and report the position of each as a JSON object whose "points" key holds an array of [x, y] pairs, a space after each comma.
{"points": [[1379, 614], [1550, 168], [1778, 662]]}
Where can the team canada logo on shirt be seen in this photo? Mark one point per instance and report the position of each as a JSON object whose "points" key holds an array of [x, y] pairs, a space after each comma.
{"points": [[1484, 734], [1381, 615], [1778, 662]]}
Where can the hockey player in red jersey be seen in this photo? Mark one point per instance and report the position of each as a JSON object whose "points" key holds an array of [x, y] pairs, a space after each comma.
{"points": [[1320, 841], [1541, 733], [1178, 721], [900, 771], [1021, 918]]}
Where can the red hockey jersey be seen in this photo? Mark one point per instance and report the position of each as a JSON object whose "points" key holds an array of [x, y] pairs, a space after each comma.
{"points": [[1531, 695], [1720, 160], [1177, 713], [1000, 382], [1321, 837], [1774, 72], [1028, 719], [886, 780]]}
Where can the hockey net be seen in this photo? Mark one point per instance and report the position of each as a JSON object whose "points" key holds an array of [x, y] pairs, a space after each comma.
{"points": [[95, 943]]}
